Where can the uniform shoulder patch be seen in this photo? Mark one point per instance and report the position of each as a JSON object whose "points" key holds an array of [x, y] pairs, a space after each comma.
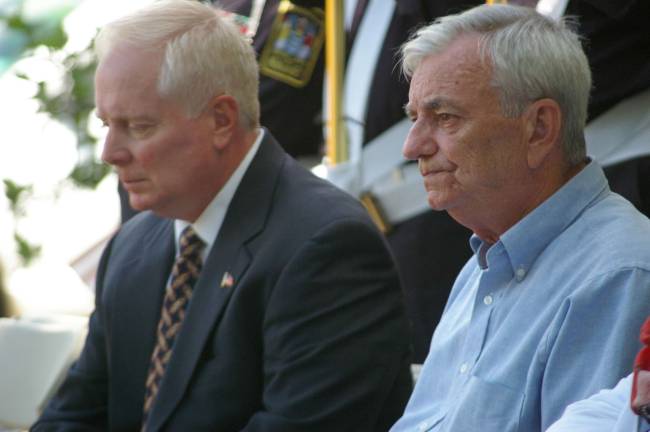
{"points": [[294, 44]]}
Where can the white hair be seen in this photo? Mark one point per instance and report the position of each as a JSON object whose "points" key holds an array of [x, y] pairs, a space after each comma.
{"points": [[531, 57], [202, 54]]}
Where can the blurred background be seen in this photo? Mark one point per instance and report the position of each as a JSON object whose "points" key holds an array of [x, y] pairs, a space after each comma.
{"points": [[59, 203]]}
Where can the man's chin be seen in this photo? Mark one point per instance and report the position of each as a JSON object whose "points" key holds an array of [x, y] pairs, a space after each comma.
{"points": [[138, 203], [436, 202]]}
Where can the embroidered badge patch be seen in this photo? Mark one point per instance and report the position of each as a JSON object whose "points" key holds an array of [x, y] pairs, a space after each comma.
{"points": [[293, 46]]}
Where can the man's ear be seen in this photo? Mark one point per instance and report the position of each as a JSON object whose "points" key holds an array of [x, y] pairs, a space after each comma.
{"points": [[223, 111], [543, 122]]}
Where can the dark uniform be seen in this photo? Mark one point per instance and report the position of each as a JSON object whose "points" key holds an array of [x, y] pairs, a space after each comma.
{"points": [[617, 42], [291, 113]]}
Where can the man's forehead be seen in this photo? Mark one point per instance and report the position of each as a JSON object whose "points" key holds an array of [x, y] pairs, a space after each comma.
{"points": [[461, 55], [124, 93], [457, 68], [126, 62], [127, 65]]}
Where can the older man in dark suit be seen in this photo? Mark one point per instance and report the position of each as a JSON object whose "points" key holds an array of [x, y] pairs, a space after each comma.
{"points": [[248, 295]]}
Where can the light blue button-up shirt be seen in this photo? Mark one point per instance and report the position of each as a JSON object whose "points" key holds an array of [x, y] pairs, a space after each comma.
{"points": [[546, 316]]}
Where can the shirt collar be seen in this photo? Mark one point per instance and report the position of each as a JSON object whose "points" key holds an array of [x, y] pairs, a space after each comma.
{"points": [[209, 223], [526, 240]]}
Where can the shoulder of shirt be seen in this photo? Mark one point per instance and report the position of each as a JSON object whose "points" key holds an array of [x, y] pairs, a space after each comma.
{"points": [[612, 232]]}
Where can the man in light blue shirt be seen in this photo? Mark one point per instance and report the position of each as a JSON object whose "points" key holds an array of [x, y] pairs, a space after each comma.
{"points": [[542, 314]]}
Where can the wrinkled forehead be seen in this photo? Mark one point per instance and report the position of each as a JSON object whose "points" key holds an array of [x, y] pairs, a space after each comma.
{"points": [[462, 53], [457, 68]]}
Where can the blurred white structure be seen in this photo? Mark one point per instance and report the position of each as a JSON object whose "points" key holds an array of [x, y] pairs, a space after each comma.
{"points": [[36, 353]]}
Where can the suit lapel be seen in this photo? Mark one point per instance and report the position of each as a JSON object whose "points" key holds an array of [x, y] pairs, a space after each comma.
{"points": [[143, 285], [229, 259]]}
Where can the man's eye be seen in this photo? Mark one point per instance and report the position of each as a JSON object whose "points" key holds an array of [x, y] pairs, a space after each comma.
{"points": [[140, 129], [445, 117]]}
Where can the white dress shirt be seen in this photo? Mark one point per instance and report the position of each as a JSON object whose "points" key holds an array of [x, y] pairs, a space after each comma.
{"points": [[207, 225], [606, 411]]}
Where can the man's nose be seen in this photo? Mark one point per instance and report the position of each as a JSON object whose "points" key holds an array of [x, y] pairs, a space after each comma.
{"points": [[418, 143], [115, 152]]}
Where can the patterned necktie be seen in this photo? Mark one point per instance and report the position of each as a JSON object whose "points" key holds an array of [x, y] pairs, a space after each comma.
{"points": [[178, 294]]}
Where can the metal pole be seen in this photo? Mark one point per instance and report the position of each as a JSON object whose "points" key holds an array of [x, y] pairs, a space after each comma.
{"points": [[337, 145]]}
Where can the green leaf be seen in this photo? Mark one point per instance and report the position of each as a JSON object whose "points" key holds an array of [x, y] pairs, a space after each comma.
{"points": [[88, 174], [17, 22], [50, 34], [26, 251], [16, 194]]}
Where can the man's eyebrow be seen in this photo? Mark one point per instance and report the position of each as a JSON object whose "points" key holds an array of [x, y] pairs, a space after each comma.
{"points": [[438, 102], [127, 117], [445, 104], [432, 104]]}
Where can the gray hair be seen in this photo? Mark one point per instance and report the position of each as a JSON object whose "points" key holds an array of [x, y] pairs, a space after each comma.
{"points": [[531, 57], [203, 54]]}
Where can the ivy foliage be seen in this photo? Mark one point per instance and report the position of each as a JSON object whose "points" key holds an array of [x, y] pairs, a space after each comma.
{"points": [[71, 103], [18, 195]]}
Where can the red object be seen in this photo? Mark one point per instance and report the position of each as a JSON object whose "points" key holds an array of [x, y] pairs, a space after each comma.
{"points": [[640, 397]]}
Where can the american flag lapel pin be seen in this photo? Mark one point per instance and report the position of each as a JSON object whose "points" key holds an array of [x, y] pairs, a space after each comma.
{"points": [[227, 280]]}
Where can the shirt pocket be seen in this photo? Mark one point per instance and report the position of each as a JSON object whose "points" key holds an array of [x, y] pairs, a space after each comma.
{"points": [[485, 406]]}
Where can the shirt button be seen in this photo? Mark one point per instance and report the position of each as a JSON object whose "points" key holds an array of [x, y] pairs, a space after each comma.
{"points": [[463, 368], [422, 426], [487, 300], [520, 273]]}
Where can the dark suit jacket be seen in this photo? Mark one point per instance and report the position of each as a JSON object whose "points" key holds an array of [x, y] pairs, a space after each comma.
{"points": [[311, 336]]}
